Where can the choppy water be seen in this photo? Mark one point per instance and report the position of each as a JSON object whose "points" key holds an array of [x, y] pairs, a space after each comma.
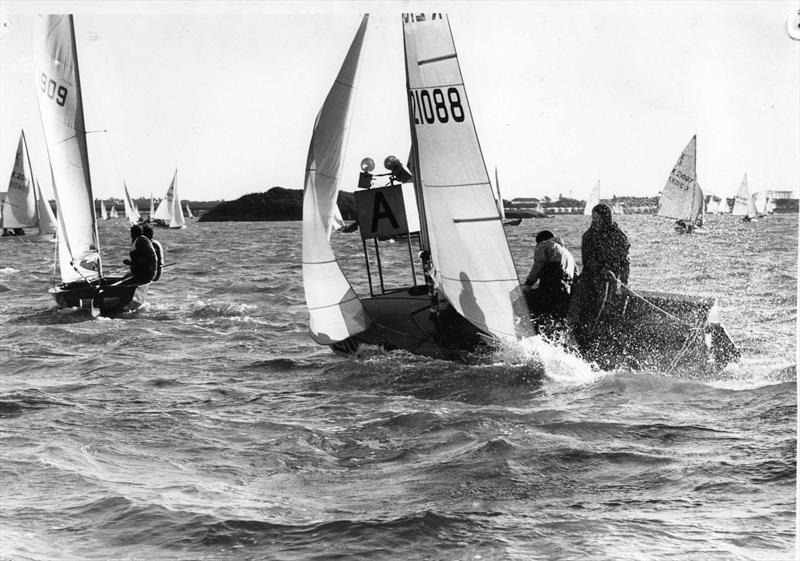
{"points": [[210, 426]]}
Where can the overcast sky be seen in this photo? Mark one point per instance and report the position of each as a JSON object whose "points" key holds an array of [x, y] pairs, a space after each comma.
{"points": [[563, 94]]}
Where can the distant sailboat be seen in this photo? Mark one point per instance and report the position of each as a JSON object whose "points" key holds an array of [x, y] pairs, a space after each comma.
{"points": [[103, 211], [189, 212], [169, 213], [682, 198], [593, 200], [83, 283], [21, 208], [113, 212], [501, 207], [743, 203], [618, 208], [770, 206], [131, 212]]}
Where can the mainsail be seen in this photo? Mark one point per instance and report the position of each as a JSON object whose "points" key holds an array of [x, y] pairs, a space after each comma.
{"points": [[19, 206], [169, 209], [334, 309], [61, 110], [743, 203], [472, 261], [113, 212], [593, 200], [682, 198], [130, 209], [103, 211], [189, 211]]}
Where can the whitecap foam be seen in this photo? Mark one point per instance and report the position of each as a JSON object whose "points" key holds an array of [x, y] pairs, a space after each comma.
{"points": [[8, 270]]}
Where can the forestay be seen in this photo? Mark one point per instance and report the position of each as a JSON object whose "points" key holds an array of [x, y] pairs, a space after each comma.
{"points": [[61, 110], [473, 265], [19, 206], [334, 309], [682, 197]]}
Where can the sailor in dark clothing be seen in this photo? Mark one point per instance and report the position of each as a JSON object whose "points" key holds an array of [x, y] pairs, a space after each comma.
{"points": [[143, 258], [159, 249], [554, 270], [606, 266]]}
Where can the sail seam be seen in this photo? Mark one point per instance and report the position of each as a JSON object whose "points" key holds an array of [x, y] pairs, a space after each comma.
{"points": [[310, 308], [319, 262], [471, 281], [430, 86], [346, 85]]}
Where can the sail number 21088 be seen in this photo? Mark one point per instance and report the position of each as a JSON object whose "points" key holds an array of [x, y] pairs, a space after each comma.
{"points": [[53, 90], [429, 106]]}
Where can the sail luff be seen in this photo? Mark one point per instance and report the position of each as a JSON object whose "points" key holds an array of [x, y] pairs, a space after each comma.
{"points": [[473, 267], [61, 110], [335, 311]]}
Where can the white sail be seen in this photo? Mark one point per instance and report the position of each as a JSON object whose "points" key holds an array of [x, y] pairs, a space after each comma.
{"points": [[103, 211], [169, 209], [770, 206], [682, 198], [113, 212], [335, 312], [337, 222], [19, 206], [131, 212], [760, 203], [189, 212], [593, 200], [501, 209], [47, 220], [743, 203], [61, 110], [473, 265]]}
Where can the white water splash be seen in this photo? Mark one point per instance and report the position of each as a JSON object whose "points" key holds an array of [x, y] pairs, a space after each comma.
{"points": [[558, 364]]}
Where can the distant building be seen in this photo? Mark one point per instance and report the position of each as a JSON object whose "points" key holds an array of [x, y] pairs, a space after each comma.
{"points": [[780, 194]]}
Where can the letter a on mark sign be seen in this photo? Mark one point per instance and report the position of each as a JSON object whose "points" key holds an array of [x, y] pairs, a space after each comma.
{"points": [[381, 212]]}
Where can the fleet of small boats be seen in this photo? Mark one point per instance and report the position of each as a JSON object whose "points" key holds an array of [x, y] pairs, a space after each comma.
{"points": [[471, 293]]}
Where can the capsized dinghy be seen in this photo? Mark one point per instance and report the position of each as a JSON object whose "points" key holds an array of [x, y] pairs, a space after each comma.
{"points": [[470, 291], [83, 283]]}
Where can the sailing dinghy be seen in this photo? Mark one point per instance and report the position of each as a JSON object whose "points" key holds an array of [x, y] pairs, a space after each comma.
{"points": [[169, 213], [743, 204], [682, 198], [470, 293], [131, 212], [24, 205], [593, 200], [501, 207], [83, 283]]}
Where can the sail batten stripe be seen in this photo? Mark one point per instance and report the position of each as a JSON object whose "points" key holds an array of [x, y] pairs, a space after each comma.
{"points": [[431, 86], [473, 281], [436, 59], [450, 185], [479, 219], [319, 262]]}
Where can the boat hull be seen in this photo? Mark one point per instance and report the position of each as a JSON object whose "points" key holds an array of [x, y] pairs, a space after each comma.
{"points": [[658, 330], [106, 299]]}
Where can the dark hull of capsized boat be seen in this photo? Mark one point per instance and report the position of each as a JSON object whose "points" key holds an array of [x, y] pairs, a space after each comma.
{"points": [[108, 298], [638, 330]]}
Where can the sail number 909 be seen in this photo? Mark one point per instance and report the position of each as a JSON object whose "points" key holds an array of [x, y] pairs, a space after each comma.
{"points": [[429, 106], [53, 90]]}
